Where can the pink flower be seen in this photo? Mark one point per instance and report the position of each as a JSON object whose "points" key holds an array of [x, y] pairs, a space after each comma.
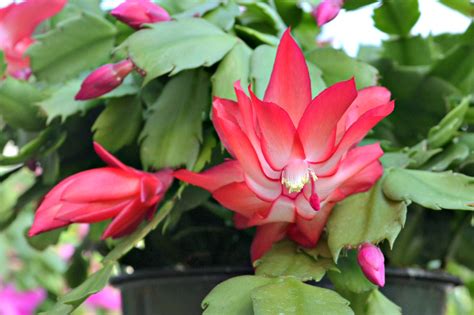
{"points": [[18, 21], [104, 79], [371, 261], [117, 191], [293, 157], [66, 251], [327, 10], [135, 13], [13, 302], [107, 299], [83, 231]]}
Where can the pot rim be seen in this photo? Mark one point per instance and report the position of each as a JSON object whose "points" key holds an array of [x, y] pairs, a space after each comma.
{"points": [[437, 276]]}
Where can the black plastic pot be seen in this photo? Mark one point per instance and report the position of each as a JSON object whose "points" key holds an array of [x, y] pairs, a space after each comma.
{"points": [[165, 292]]}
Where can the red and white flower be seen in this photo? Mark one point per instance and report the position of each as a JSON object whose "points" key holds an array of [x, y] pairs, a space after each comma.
{"points": [[293, 157]]}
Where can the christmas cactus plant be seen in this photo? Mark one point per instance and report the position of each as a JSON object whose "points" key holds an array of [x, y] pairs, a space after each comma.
{"points": [[193, 134]]}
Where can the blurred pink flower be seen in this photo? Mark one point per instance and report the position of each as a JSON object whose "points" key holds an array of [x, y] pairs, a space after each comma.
{"points": [[14, 302], [83, 230], [327, 10], [18, 21], [108, 299], [66, 251]]}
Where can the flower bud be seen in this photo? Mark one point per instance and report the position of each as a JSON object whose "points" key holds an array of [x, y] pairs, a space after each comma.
{"points": [[104, 79], [135, 13], [326, 11], [371, 261]]}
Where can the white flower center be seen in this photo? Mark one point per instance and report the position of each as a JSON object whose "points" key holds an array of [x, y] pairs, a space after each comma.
{"points": [[296, 175]]}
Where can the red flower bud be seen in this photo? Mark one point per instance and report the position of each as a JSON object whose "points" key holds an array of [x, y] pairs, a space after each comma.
{"points": [[104, 79], [135, 13], [371, 261], [117, 192]]}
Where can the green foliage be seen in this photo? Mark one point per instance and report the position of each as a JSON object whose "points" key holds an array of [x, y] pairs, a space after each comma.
{"points": [[119, 124], [463, 6], [224, 15], [3, 65], [306, 31], [23, 179], [350, 278], [94, 283], [365, 217], [290, 296], [41, 144], [61, 103], [337, 66], [165, 47], [377, 304], [198, 8], [43, 240], [261, 17], [235, 66], [17, 104], [254, 37], [396, 17], [430, 76], [453, 154], [457, 66], [287, 259], [448, 127], [173, 131], [67, 50], [261, 68], [356, 4], [261, 296], [76, 273], [233, 296], [289, 11], [436, 191], [409, 51]]}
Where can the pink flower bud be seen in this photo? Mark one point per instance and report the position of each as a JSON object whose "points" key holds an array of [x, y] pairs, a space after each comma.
{"points": [[371, 261], [135, 13], [327, 10], [104, 79]]}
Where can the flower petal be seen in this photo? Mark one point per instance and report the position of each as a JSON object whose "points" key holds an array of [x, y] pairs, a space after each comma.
{"points": [[356, 160], [359, 182], [308, 232], [90, 212], [356, 133], [317, 128], [239, 198], [264, 187], [248, 126], [290, 85], [277, 132], [304, 208], [19, 20], [366, 99], [108, 158], [45, 216], [214, 178], [264, 238], [130, 217], [282, 210], [101, 184]]}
